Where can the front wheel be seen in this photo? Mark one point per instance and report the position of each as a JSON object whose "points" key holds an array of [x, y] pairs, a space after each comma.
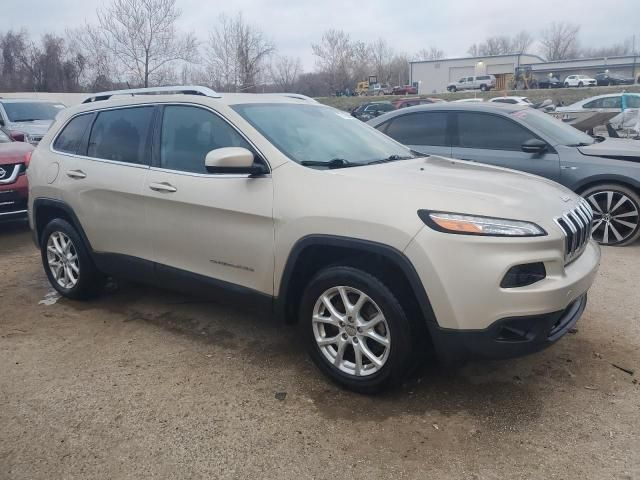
{"points": [[67, 263], [616, 214], [452, 89], [580, 84], [483, 88], [355, 330]]}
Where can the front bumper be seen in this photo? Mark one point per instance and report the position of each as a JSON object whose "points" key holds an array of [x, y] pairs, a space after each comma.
{"points": [[508, 337], [13, 199]]}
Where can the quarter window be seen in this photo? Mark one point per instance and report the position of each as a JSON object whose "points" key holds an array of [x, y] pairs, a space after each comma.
{"points": [[71, 136], [122, 135], [189, 133], [479, 130], [420, 129]]}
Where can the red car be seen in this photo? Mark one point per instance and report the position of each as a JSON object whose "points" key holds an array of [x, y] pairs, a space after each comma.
{"points": [[14, 159], [406, 90]]}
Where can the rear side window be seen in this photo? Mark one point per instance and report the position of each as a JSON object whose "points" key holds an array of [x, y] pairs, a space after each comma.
{"points": [[479, 130], [189, 133], [485, 77], [419, 129], [122, 135], [71, 136]]}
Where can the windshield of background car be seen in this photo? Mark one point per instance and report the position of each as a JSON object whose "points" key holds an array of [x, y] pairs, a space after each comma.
{"points": [[553, 129], [319, 134], [31, 111]]}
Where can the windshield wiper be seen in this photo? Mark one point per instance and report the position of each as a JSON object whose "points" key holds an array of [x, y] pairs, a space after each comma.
{"points": [[331, 164], [390, 158]]}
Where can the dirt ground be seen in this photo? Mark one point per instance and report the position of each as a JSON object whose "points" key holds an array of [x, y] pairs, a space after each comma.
{"points": [[143, 383]]}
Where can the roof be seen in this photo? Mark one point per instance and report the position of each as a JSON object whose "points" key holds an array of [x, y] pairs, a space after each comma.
{"points": [[478, 58], [26, 100], [505, 108]]}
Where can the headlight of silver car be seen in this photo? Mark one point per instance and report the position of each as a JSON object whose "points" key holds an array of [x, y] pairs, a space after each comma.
{"points": [[463, 224]]}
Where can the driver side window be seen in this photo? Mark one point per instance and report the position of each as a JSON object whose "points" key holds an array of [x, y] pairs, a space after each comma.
{"points": [[189, 133]]}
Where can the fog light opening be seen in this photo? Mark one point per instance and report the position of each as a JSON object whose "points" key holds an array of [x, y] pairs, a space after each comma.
{"points": [[523, 275]]}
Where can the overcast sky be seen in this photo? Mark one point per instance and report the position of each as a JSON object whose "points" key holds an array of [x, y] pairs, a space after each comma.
{"points": [[451, 25]]}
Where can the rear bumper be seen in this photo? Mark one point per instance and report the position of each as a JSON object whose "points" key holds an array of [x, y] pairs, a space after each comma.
{"points": [[508, 337]]}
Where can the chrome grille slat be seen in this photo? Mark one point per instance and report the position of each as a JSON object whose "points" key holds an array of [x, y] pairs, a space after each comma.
{"points": [[576, 225]]}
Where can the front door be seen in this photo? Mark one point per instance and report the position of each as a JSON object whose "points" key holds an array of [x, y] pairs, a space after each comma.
{"points": [[424, 132], [493, 139], [216, 225]]}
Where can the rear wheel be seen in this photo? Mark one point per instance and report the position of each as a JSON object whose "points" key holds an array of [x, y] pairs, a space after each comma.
{"points": [[452, 89], [580, 84], [483, 88], [355, 330], [67, 263], [616, 214], [566, 85]]}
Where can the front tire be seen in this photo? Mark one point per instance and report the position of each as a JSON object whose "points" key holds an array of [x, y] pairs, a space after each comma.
{"points": [[67, 262], [483, 88], [580, 84], [355, 330], [616, 214], [452, 89]]}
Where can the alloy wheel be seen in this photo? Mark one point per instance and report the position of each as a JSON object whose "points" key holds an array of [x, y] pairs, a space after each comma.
{"points": [[616, 216], [351, 331], [63, 261]]}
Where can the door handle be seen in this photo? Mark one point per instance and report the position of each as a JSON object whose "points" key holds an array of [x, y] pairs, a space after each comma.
{"points": [[163, 187], [566, 167], [77, 174]]}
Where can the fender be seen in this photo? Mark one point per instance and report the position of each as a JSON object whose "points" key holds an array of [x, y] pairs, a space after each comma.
{"points": [[38, 203], [390, 253]]}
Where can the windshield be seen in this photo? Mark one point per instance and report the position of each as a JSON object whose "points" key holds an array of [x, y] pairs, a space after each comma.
{"points": [[30, 111], [313, 133], [555, 130]]}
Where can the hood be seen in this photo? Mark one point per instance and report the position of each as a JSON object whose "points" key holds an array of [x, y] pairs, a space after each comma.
{"points": [[37, 127], [438, 183], [618, 148], [14, 152]]}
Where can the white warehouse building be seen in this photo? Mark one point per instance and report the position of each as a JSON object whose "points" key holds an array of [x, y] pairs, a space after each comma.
{"points": [[433, 76]]}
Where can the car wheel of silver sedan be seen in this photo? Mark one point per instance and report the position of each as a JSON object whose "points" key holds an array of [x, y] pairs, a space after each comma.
{"points": [[616, 211]]}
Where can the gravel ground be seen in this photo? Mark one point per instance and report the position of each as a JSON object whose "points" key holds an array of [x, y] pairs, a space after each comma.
{"points": [[143, 383]]}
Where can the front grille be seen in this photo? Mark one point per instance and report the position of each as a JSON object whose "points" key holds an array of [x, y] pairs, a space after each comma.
{"points": [[576, 225], [8, 173]]}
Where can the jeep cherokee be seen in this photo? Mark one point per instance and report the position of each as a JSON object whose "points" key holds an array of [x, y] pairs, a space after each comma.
{"points": [[376, 252]]}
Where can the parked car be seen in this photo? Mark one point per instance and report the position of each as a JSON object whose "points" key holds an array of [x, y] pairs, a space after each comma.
{"points": [[550, 82], [14, 159], [607, 174], [376, 89], [405, 90], [512, 100], [605, 79], [412, 102], [579, 81], [597, 110], [482, 82], [27, 120], [469, 100], [370, 110], [294, 208]]}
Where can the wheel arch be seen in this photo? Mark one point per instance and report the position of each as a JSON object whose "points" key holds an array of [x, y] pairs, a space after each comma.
{"points": [[314, 252], [620, 180], [47, 209]]}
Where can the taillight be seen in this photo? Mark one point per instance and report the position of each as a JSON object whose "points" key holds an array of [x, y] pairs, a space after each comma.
{"points": [[27, 158]]}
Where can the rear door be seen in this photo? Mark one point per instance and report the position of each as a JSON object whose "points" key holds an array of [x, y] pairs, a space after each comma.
{"points": [[102, 176], [497, 140], [424, 132], [215, 225]]}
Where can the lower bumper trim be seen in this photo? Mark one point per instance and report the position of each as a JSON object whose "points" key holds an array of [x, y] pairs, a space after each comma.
{"points": [[508, 337]]}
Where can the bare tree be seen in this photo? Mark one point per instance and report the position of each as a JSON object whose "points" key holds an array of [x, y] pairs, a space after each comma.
{"points": [[236, 54], [431, 53], [501, 45], [624, 48], [334, 57], [521, 42], [285, 72], [381, 59], [560, 41], [141, 35]]}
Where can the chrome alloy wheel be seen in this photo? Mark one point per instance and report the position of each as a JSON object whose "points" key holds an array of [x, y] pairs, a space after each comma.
{"points": [[616, 216], [62, 258], [351, 331]]}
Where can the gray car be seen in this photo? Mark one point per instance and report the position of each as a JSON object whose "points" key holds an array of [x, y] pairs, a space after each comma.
{"points": [[606, 173], [28, 119]]}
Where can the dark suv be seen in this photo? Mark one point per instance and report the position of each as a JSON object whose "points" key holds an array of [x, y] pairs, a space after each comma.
{"points": [[606, 173]]}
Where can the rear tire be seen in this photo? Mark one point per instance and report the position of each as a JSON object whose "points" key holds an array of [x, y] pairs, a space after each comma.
{"points": [[365, 346], [566, 85], [483, 88], [452, 89], [580, 84], [616, 211], [67, 262]]}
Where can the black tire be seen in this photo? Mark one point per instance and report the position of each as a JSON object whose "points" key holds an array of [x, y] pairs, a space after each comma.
{"points": [[566, 85], [598, 194], [401, 346], [580, 84], [90, 280], [452, 89], [483, 88]]}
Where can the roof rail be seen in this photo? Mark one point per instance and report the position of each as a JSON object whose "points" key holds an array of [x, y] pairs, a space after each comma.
{"points": [[297, 96], [185, 90]]}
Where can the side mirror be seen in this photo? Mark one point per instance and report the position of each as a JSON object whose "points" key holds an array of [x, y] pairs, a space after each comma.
{"points": [[534, 145], [233, 160]]}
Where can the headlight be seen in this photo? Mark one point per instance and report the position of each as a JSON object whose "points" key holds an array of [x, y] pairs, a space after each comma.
{"points": [[478, 225]]}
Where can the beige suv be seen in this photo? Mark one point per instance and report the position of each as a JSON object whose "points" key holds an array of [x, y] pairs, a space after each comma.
{"points": [[379, 254]]}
